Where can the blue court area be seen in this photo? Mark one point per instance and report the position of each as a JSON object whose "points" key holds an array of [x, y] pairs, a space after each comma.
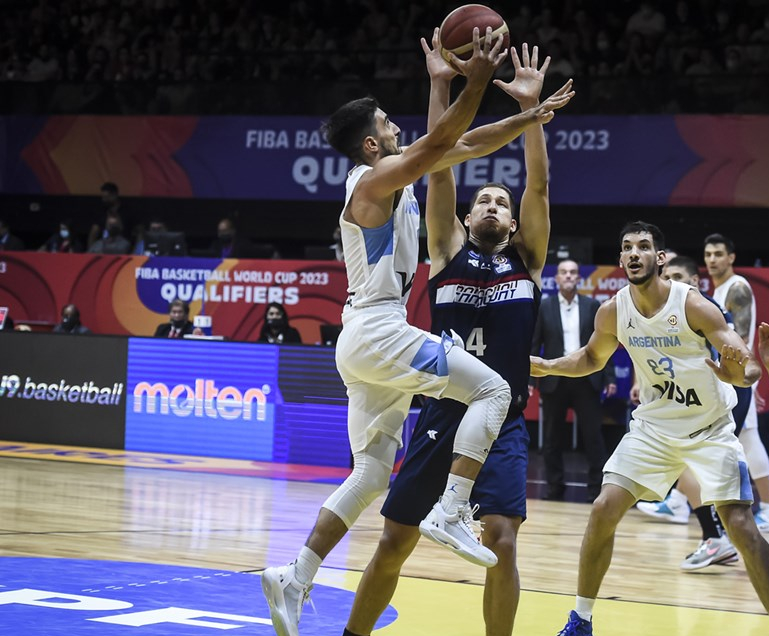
{"points": [[111, 598]]}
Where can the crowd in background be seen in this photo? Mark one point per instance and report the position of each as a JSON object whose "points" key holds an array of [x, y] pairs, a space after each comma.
{"points": [[228, 40]]}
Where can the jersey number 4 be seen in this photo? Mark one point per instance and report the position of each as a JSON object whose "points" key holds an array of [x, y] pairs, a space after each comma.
{"points": [[474, 342]]}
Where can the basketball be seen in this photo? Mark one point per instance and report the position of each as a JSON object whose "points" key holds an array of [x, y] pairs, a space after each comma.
{"points": [[457, 29]]}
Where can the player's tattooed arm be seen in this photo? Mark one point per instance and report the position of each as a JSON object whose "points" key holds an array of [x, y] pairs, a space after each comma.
{"points": [[739, 301]]}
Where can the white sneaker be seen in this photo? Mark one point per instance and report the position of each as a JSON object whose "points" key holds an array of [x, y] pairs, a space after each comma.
{"points": [[457, 532], [285, 596], [711, 552], [674, 509]]}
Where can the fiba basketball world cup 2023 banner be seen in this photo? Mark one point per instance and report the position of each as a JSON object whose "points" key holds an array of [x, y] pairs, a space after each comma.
{"points": [[594, 160], [129, 295]]}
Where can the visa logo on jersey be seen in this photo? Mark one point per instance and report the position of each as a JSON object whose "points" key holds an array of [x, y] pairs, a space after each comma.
{"points": [[203, 399]]}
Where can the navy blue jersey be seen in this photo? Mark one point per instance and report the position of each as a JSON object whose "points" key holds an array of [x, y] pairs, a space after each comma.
{"points": [[727, 317], [492, 302]]}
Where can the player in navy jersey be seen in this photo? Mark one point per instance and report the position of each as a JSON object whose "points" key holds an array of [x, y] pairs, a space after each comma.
{"points": [[486, 290]]}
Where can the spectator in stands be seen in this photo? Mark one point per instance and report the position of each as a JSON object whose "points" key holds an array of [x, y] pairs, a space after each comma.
{"points": [[761, 34], [639, 59], [113, 241], [43, 67], [178, 324], [70, 322], [174, 43], [155, 225], [546, 29], [647, 21], [9, 242], [276, 329], [561, 65], [229, 244], [63, 241], [706, 64], [110, 200]]}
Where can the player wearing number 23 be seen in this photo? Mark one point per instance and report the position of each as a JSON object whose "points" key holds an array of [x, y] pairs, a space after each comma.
{"points": [[684, 419]]}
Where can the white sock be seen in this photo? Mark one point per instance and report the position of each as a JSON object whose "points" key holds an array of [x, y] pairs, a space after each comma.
{"points": [[307, 564], [457, 493], [763, 506], [585, 608]]}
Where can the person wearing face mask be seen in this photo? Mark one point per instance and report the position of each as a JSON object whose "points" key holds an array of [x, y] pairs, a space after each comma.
{"points": [[179, 324], [63, 241], [70, 322], [276, 329], [229, 244], [112, 241]]}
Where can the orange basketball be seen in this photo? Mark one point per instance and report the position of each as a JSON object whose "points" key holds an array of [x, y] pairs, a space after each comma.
{"points": [[457, 29]]}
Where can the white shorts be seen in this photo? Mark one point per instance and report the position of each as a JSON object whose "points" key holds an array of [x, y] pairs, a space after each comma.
{"points": [[384, 362], [655, 461]]}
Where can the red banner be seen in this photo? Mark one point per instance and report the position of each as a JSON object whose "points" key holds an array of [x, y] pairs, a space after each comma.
{"points": [[129, 295]]}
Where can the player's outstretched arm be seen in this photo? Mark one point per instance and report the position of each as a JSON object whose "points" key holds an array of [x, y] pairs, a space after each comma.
{"points": [[445, 232], [737, 365], [590, 358], [396, 171], [534, 229], [484, 140]]}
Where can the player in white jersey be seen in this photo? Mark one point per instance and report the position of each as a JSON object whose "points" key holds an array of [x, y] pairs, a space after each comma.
{"points": [[684, 419], [733, 293], [382, 359]]}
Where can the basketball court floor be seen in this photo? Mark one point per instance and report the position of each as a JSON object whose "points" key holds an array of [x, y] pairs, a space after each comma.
{"points": [[109, 543]]}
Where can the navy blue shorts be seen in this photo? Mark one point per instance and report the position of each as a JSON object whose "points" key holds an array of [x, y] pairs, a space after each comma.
{"points": [[500, 487], [740, 412]]}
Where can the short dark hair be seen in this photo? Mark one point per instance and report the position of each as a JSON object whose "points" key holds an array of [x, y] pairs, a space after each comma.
{"points": [[714, 239], [688, 264], [515, 211], [75, 310], [346, 129], [637, 227], [178, 302], [109, 186]]}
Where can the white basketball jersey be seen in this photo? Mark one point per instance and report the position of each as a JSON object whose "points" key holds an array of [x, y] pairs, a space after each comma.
{"points": [[381, 262], [720, 293], [679, 392]]}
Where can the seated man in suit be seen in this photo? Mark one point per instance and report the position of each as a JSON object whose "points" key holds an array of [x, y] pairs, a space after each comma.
{"points": [[565, 324], [179, 323]]}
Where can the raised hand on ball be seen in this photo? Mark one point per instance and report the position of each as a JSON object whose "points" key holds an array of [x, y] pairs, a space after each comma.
{"points": [[437, 67], [487, 56]]}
